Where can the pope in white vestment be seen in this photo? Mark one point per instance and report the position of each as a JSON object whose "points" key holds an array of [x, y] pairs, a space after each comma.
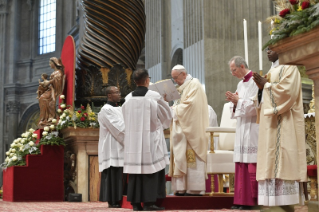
{"points": [[188, 139], [111, 149], [281, 153], [146, 115]]}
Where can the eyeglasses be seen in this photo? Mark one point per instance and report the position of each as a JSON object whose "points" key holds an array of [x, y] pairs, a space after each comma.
{"points": [[175, 78], [231, 71]]}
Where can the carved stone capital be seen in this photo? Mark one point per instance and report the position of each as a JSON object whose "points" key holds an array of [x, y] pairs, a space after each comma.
{"points": [[13, 107], [30, 3]]}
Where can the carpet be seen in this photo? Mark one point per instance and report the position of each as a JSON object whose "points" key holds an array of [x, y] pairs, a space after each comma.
{"points": [[86, 206]]}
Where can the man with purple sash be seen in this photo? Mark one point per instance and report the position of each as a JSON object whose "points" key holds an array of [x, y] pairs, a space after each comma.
{"points": [[246, 141]]}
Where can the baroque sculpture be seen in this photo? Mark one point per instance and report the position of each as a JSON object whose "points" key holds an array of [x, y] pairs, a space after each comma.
{"points": [[48, 92]]}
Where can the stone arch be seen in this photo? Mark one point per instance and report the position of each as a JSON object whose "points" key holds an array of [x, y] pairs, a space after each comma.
{"points": [[29, 119], [177, 58]]}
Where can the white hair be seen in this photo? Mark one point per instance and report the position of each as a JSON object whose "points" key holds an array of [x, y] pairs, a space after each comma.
{"points": [[179, 68]]}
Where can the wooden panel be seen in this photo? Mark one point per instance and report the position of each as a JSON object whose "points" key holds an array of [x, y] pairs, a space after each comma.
{"points": [[94, 180]]}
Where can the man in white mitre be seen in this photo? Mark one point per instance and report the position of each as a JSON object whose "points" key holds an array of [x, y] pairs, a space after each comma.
{"points": [[111, 149], [188, 137], [281, 146], [246, 141], [146, 115]]}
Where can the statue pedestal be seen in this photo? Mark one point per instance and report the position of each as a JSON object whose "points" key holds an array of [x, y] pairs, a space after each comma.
{"points": [[84, 143], [303, 50]]}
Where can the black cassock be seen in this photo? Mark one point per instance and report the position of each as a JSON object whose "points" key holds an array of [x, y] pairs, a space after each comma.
{"points": [[145, 187], [113, 185]]}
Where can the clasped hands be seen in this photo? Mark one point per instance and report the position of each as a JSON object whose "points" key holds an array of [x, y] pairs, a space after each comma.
{"points": [[260, 82]]}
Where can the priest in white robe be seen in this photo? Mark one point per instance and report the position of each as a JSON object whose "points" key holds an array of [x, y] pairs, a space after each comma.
{"points": [[188, 137], [146, 115], [246, 141], [111, 149], [281, 152]]}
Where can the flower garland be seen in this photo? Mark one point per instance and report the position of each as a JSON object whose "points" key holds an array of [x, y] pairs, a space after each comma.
{"points": [[295, 17]]}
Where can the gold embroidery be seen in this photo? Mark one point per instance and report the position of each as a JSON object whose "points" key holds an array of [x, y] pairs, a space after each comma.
{"points": [[191, 158]]}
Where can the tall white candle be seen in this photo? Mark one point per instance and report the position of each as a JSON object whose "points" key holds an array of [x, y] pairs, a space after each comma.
{"points": [[245, 41], [260, 46]]}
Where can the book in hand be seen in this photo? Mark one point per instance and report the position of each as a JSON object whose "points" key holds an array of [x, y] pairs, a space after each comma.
{"points": [[165, 87]]}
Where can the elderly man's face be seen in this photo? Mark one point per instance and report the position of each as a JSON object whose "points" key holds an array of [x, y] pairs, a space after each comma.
{"points": [[178, 77], [238, 72]]}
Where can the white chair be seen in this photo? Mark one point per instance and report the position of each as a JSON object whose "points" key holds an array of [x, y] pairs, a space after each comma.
{"points": [[221, 161]]}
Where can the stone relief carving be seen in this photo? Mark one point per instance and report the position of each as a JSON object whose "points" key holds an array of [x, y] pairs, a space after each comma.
{"points": [[69, 173], [13, 107]]}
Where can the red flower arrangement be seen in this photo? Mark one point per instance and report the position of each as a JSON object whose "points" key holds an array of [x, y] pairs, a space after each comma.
{"points": [[82, 119], [294, 2], [305, 5], [284, 12], [82, 107]]}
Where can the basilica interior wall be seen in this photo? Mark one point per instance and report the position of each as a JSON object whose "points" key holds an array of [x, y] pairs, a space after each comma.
{"points": [[22, 65], [224, 38]]}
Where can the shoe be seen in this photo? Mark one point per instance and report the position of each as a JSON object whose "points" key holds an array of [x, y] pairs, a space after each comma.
{"points": [[153, 208], [234, 207], [114, 206], [137, 207], [244, 207], [188, 194], [179, 194]]}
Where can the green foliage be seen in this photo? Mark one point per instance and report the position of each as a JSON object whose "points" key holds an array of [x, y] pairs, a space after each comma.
{"points": [[296, 23], [52, 139]]}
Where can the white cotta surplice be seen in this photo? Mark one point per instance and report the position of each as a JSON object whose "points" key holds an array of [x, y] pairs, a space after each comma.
{"points": [[111, 140], [145, 118], [246, 141]]}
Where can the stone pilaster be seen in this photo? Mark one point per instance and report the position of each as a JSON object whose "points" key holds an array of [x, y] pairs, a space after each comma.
{"points": [[13, 109], [3, 20]]}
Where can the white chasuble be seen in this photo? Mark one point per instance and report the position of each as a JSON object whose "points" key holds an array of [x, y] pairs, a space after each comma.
{"points": [[281, 159], [144, 141], [188, 139], [111, 149], [281, 146], [246, 140]]}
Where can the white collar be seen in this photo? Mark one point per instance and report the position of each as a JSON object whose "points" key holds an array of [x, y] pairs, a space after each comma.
{"points": [[189, 77], [275, 64]]}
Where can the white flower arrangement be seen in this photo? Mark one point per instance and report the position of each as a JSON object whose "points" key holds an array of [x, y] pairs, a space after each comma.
{"points": [[46, 129], [62, 97], [16, 154]]}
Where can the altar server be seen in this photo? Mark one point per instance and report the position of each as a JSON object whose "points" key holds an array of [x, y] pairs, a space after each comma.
{"points": [[246, 141], [146, 115], [111, 149]]}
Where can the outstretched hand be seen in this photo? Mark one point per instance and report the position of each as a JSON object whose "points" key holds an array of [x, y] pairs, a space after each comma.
{"points": [[259, 80]]}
